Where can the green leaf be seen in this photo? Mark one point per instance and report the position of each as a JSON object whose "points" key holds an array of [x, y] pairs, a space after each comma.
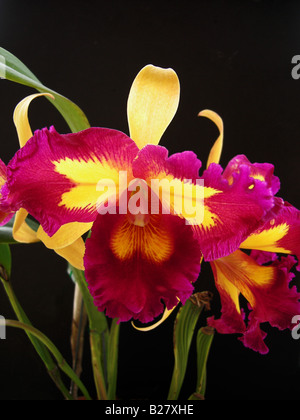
{"points": [[112, 359], [49, 345], [6, 235], [11, 68], [39, 347], [204, 340], [97, 319], [5, 261], [184, 327]]}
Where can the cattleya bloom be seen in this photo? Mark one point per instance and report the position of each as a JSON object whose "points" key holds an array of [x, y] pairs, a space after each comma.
{"points": [[262, 277], [139, 262]]}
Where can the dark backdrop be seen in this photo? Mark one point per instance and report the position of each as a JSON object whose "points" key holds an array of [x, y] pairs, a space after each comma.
{"points": [[233, 57]]}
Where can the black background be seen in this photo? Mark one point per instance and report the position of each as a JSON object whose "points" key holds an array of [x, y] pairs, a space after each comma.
{"points": [[233, 57]]}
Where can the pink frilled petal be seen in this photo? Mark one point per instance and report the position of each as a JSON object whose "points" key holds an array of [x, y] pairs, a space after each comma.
{"points": [[231, 210], [55, 176], [254, 336], [262, 257], [260, 171], [233, 213], [5, 213], [267, 290], [133, 270]]}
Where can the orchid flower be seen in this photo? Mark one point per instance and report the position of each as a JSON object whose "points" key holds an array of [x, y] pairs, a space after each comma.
{"points": [[261, 277], [136, 263]]}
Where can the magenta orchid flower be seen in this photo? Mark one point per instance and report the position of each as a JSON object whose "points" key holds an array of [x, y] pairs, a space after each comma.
{"points": [[263, 277], [137, 263]]}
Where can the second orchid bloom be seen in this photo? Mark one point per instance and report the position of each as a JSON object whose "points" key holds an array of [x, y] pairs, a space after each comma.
{"points": [[137, 263]]}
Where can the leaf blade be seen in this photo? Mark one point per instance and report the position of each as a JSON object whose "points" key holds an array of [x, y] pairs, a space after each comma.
{"points": [[205, 337], [5, 260], [11, 68]]}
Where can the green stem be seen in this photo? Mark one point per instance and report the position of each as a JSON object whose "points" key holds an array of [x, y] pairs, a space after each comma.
{"points": [[55, 352], [98, 333], [39, 347]]}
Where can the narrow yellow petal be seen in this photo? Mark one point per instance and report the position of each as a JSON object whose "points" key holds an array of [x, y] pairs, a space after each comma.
{"points": [[216, 150], [152, 103], [73, 253], [66, 235], [21, 118], [21, 231], [166, 314]]}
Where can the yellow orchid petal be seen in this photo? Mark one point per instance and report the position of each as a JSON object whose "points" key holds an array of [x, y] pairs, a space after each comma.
{"points": [[65, 235], [152, 103], [216, 150], [73, 253], [166, 314], [21, 231], [20, 117]]}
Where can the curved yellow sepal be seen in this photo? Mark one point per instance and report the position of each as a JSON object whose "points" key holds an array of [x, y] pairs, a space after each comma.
{"points": [[166, 314], [152, 103], [67, 242], [21, 231], [216, 150], [65, 236], [73, 253], [20, 117]]}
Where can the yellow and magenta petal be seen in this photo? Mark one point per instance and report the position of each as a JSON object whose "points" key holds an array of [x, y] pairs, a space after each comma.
{"points": [[260, 171], [233, 212], [55, 177], [281, 234], [135, 270], [230, 212]]}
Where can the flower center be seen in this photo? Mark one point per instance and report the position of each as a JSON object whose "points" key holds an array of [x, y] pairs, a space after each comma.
{"points": [[142, 236]]}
